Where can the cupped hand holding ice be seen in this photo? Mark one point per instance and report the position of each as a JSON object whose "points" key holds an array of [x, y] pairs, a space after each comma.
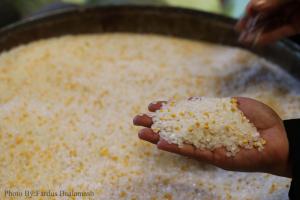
{"points": [[272, 159]]}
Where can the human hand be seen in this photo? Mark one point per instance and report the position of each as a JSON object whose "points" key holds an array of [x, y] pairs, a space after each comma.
{"points": [[267, 21], [273, 159]]}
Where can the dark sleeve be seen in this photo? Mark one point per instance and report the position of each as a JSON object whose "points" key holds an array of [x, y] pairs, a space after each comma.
{"points": [[292, 128]]}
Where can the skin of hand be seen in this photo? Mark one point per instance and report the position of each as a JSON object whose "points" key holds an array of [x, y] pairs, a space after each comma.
{"points": [[271, 20], [274, 159]]}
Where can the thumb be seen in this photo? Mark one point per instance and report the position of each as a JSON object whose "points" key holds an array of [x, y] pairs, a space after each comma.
{"points": [[261, 115]]}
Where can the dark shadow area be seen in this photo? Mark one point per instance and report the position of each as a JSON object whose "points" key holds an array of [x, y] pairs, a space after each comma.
{"points": [[8, 13]]}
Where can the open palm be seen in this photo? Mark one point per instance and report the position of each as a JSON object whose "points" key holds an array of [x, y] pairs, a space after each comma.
{"points": [[273, 159]]}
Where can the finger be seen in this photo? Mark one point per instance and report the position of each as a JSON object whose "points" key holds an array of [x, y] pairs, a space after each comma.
{"points": [[277, 34], [220, 159], [142, 120], [254, 111], [248, 106], [149, 135], [249, 38], [186, 150], [164, 145], [203, 155], [241, 24], [155, 105], [242, 37]]}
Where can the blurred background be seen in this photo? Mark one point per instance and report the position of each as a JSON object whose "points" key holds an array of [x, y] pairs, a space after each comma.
{"points": [[14, 10]]}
